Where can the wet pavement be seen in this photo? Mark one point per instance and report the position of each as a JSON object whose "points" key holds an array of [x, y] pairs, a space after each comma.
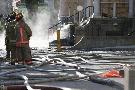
{"points": [[69, 70]]}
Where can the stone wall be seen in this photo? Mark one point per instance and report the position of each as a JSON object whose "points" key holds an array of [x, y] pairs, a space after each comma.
{"points": [[106, 32]]}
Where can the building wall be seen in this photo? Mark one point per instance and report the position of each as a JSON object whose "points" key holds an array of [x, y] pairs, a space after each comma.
{"points": [[134, 7], [67, 7], [121, 8], [87, 3], [53, 6]]}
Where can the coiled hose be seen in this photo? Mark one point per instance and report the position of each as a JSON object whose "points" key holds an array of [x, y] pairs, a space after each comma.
{"points": [[108, 82]]}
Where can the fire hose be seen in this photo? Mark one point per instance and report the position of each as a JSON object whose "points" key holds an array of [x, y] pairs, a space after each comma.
{"points": [[25, 67], [92, 78], [107, 82], [27, 84], [59, 78], [53, 79]]}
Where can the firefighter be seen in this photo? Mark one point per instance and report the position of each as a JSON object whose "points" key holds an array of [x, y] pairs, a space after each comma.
{"points": [[23, 34], [7, 39], [10, 40]]}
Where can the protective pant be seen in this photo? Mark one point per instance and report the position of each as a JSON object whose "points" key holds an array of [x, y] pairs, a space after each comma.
{"points": [[13, 55], [8, 50], [23, 53]]}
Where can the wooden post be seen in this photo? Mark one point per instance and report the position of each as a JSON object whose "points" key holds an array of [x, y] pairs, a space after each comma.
{"points": [[58, 41]]}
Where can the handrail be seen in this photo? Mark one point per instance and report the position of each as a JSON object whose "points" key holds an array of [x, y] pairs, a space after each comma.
{"points": [[90, 8]]}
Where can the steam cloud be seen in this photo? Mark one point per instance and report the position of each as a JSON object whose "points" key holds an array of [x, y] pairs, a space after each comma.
{"points": [[5, 6], [39, 26], [5, 9], [2, 40]]}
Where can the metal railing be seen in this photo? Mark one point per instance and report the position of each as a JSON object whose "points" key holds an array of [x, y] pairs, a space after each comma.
{"points": [[79, 15]]}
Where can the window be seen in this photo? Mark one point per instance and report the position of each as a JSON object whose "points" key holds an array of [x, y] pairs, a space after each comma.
{"points": [[108, 7]]}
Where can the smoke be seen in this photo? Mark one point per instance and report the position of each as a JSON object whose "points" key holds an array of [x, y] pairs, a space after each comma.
{"points": [[64, 33], [39, 25], [14, 2], [2, 40], [5, 6]]}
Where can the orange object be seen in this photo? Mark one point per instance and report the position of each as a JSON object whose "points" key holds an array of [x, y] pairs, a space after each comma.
{"points": [[109, 74]]}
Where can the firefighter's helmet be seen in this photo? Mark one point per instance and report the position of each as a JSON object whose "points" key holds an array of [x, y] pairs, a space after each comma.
{"points": [[19, 16], [12, 15]]}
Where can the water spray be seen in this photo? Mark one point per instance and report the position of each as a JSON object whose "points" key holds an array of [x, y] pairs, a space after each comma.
{"points": [[14, 4]]}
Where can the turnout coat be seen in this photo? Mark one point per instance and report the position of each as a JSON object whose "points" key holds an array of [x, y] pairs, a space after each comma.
{"points": [[23, 33]]}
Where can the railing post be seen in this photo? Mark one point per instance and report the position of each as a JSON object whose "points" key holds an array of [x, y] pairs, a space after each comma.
{"points": [[79, 9], [85, 13], [89, 8], [79, 16], [90, 4], [74, 15]]}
